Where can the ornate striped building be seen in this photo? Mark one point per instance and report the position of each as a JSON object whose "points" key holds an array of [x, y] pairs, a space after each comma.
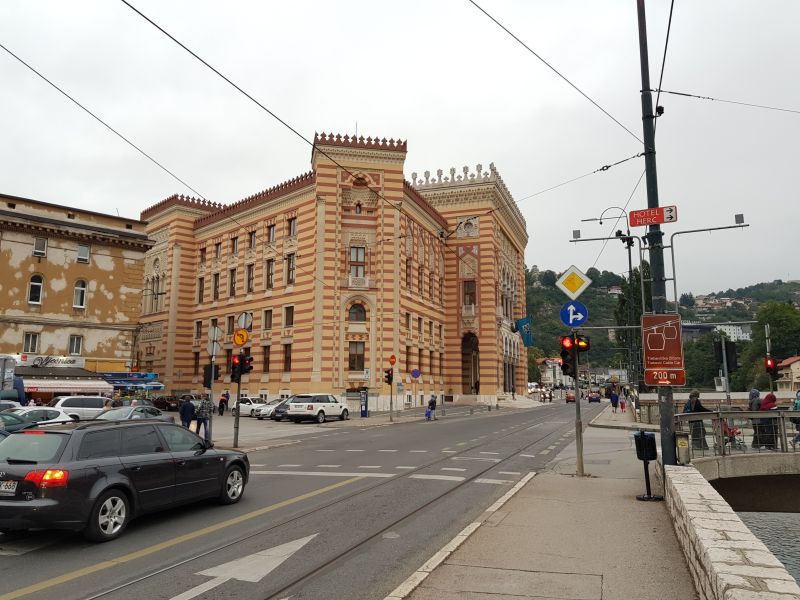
{"points": [[341, 268]]}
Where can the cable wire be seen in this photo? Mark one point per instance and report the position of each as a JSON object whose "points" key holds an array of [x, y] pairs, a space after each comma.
{"points": [[552, 68], [663, 61], [624, 208], [687, 95], [106, 125]]}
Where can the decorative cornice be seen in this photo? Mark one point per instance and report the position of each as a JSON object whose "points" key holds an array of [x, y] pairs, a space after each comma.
{"points": [[296, 183], [346, 141], [80, 232], [180, 200], [423, 203]]}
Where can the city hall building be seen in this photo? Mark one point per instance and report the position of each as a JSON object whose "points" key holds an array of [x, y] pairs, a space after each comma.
{"points": [[338, 270]]}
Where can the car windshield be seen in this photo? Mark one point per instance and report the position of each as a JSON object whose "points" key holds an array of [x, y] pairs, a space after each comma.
{"points": [[301, 399], [11, 419], [115, 414], [33, 446]]}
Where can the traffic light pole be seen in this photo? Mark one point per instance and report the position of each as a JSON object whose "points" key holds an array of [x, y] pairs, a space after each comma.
{"points": [[238, 412], [578, 421], [655, 235]]}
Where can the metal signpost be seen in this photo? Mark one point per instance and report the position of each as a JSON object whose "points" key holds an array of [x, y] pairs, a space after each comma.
{"points": [[392, 361], [214, 336], [240, 338]]}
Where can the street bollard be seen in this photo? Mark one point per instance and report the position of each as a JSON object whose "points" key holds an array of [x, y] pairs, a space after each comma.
{"points": [[645, 443]]}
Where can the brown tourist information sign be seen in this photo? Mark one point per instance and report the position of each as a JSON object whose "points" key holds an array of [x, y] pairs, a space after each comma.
{"points": [[663, 350]]}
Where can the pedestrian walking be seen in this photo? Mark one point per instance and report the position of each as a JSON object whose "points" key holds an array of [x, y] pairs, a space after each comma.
{"points": [[614, 401], [108, 403], [203, 415], [754, 404], [223, 403], [432, 408], [697, 428], [796, 420], [186, 411], [769, 436], [622, 402]]}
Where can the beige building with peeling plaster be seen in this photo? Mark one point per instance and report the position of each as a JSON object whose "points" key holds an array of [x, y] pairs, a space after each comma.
{"points": [[70, 285], [340, 268]]}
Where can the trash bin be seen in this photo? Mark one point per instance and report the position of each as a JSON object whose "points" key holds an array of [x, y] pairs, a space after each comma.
{"points": [[645, 445], [364, 404]]}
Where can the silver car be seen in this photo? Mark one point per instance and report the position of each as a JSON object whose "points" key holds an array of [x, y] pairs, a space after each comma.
{"points": [[79, 407]]}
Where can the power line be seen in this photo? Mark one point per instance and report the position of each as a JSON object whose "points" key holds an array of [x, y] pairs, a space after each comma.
{"points": [[624, 208], [106, 125], [664, 59], [687, 95], [552, 68]]}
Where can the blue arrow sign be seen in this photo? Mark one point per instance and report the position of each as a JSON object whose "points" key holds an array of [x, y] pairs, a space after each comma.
{"points": [[574, 314]]}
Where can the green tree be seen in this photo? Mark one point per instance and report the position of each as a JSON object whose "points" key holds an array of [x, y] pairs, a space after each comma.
{"points": [[533, 369], [548, 278], [700, 362], [629, 304], [687, 300]]}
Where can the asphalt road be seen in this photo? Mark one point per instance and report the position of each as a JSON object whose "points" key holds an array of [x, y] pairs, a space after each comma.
{"points": [[346, 513]]}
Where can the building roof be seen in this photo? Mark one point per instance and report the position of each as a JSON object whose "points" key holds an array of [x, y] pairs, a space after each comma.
{"points": [[788, 361], [56, 373], [346, 141]]}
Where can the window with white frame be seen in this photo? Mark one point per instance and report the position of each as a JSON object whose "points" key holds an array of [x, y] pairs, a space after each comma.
{"points": [[250, 279], [83, 253], [35, 289], [39, 246], [251, 240], [269, 274], [79, 294], [75, 345], [291, 226], [357, 261], [290, 266], [30, 342]]}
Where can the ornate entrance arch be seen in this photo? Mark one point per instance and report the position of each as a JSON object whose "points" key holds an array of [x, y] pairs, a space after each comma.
{"points": [[470, 364]]}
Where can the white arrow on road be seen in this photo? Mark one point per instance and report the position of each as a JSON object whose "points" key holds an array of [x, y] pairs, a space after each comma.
{"points": [[251, 568], [574, 315]]}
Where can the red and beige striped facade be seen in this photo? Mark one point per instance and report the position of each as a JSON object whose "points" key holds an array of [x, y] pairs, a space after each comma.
{"points": [[341, 268]]}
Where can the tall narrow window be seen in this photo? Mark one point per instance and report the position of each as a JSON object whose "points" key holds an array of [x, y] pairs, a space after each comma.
{"points": [[430, 288], [266, 359], [469, 292], [291, 226], [270, 234], [355, 359], [40, 246], [75, 345], [83, 253], [196, 368], [198, 330], [357, 261], [419, 327], [267, 319], [230, 324], [215, 287], [251, 240], [35, 288], [357, 314], [218, 250], [250, 279], [408, 274], [79, 294], [201, 289], [287, 358], [290, 265], [288, 316], [228, 360], [202, 256], [408, 323], [431, 363], [235, 246], [269, 274], [231, 283], [441, 365], [421, 281], [30, 343]]}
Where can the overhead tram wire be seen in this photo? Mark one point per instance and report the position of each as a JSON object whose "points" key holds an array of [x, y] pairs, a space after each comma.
{"points": [[616, 221], [762, 106], [552, 68], [281, 121], [663, 61], [106, 125]]}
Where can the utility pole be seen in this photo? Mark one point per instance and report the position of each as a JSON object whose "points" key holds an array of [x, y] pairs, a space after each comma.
{"points": [[655, 235]]}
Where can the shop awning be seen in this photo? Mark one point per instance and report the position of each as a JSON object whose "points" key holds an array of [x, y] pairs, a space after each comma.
{"points": [[70, 386], [136, 384]]}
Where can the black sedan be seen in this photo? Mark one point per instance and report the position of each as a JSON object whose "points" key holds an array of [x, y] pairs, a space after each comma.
{"points": [[167, 402], [134, 412], [96, 476], [279, 412]]}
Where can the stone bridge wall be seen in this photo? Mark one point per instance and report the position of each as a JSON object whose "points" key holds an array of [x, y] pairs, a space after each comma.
{"points": [[726, 561]]}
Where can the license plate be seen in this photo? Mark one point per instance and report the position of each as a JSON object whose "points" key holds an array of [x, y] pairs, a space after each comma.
{"points": [[8, 488]]}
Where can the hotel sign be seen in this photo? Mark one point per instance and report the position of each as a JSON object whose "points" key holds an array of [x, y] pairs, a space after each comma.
{"points": [[49, 360]]}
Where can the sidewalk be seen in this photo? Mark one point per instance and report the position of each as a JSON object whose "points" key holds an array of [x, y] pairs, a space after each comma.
{"points": [[561, 537], [620, 420]]}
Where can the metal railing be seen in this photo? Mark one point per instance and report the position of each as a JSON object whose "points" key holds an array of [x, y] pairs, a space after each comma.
{"points": [[732, 432]]}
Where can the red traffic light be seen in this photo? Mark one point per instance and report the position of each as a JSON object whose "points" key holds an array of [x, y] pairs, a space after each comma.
{"points": [[567, 342], [235, 359], [769, 362]]}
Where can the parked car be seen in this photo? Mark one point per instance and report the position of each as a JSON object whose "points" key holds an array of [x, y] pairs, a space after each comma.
{"points": [[128, 401], [167, 402], [126, 413], [41, 414], [316, 407], [249, 405], [97, 476], [265, 410], [279, 412], [9, 404], [11, 422], [79, 407], [594, 396], [569, 396]]}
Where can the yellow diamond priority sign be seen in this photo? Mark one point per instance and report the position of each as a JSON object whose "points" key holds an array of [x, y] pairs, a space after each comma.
{"points": [[573, 282]]}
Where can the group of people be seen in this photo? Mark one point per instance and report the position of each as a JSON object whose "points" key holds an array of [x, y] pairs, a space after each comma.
{"points": [[765, 431], [201, 415], [617, 401]]}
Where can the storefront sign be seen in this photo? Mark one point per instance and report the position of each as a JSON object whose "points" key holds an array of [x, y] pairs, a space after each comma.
{"points": [[48, 360]]}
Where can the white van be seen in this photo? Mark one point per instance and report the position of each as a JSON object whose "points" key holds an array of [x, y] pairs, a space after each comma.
{"points": [[79, 407]]}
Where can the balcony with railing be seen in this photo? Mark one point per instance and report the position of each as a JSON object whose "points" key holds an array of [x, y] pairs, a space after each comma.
{"points": [[354, 282], [468, 310]]}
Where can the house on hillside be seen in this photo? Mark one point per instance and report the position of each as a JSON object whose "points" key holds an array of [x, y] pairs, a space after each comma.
{"points": [[789, 374]]}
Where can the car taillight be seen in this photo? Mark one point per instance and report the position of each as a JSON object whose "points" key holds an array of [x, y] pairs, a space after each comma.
{"points": [[33, 432], [48, 478], [310, 407]]}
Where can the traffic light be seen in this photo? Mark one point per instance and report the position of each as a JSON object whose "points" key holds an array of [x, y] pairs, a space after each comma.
{"points": [[388, 376], [236, 368], [771, 366], [582, 343], [247, 365], [568, 356], [210, 375]]}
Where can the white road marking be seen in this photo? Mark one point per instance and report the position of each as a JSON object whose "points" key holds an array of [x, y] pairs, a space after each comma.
{"points": [[257, 465], [369, 466], [464, 443], [553, 447], [452, 469], [387, 450], [450, 451], [509, 472], [494, 481], [352, 450], [528, 455], [322, 474], [418, 451], [545, 452], [475, 458], [404, 467], [290, 465], [489, 453], [438, 477], [325, 450], [328, 466]]}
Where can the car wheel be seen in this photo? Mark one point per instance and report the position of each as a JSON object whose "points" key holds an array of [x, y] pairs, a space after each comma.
{"points": [[320, 417], [233, 486], [109, 516], [344, 416], [75, 417]]}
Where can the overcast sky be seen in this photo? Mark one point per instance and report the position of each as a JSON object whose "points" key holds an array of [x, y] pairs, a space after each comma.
{"points": [[444, 77]]}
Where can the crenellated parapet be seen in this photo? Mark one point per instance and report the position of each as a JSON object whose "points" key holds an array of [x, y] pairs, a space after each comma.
{"points": [[180, 200], [369, 143]]}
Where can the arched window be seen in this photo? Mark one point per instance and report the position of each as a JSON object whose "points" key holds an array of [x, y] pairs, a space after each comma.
{"points": [[79, 294], [35, 289], [357, 313], [358, 208]]}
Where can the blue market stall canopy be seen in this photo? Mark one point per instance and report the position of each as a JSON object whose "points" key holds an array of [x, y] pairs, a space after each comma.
{"points": [[134, 381]]}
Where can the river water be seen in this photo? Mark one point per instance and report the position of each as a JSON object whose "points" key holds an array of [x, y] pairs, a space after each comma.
{"points": [[781, 534]]}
